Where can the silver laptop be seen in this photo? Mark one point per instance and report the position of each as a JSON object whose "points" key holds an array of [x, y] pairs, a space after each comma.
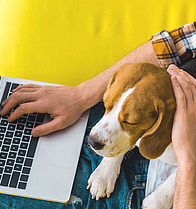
{"points": [[43, 167]]}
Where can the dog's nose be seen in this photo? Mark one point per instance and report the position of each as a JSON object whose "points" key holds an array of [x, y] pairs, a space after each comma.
{"points": [[94, 143]]}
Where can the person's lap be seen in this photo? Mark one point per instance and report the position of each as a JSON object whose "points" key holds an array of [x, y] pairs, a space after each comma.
{"points": [[129, 188]]}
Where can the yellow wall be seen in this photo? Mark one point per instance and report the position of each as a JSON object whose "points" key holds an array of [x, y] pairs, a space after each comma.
{"points": [[70, 41]]}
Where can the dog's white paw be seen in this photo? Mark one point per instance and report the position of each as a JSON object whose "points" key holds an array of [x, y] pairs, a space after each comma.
{"points": [[153, 202], [101, 184], [162, 197], [102, 180]]}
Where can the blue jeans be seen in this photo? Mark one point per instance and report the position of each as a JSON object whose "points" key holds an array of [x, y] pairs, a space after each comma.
{"points": [[129, 189]]}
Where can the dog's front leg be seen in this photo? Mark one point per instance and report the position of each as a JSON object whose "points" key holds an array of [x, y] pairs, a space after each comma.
{"points": [[162, 197], [102, 180]]}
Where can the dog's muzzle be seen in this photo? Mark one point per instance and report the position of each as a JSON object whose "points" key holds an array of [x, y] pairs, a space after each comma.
{"points": [[94, 143]]}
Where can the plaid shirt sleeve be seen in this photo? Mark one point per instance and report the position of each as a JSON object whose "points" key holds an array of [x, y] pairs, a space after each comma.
{"points": [[176, 46]]}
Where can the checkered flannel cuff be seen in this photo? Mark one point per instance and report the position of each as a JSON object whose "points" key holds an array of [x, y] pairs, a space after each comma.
{"points": [[176, 46]]}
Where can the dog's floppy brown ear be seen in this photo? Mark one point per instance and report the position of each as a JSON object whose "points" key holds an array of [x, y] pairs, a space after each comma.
{"points": [[120, 71], [154, 142], [112, 80]]}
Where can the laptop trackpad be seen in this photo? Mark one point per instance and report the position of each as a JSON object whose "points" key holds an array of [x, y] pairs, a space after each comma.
{"points": [[62, 148]]}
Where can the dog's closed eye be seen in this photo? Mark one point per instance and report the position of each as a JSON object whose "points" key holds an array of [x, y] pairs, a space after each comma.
{"points": [[126, 122]]}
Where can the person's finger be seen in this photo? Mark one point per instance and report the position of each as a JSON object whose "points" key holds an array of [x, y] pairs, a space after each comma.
{"points": [[25, 108], [179, 94], [186, 81], [47, 128], [26, 86], [22, 90], [174, 70], [27, 90], [16, 99]]}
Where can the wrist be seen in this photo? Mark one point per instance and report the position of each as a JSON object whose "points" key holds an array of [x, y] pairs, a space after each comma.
{"points": [[186, 162], [187, 168], [185, 189], [92, 90], [89, 94]]}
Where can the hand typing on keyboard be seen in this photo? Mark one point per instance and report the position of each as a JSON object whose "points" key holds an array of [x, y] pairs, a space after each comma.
{"points": [[17, 146], [64, 104]]}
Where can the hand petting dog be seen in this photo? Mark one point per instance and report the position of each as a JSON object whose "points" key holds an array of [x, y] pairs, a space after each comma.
{"points": [[184, 137]]}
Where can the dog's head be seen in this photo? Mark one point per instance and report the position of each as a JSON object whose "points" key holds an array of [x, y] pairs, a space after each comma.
{"points": [[139, 103]]}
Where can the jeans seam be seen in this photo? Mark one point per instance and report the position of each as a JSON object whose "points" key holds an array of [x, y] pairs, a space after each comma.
{"points": [[130, 195]]}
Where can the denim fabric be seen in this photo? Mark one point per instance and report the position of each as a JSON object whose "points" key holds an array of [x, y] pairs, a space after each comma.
{"points": [[129, 189]]}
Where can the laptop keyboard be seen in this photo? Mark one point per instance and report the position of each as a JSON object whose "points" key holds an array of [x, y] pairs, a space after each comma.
{"points": [[17, 146]]}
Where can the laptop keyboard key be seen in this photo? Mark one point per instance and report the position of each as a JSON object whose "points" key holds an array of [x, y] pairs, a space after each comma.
{"points": [[14, 179], [1, 136], [31, 118], [32, 147], [20, 127], [9, 134], [16, 141], [40, 118], [24, 178], [10, 162], [37, 124], [15, 121], [27, 131], [22, 120], [4, 123], [3, 155], [14, 148], [12, 155], [24, 145], [5, 148], [28, 162], [26, 170], [22, 185], [14, 86], [11, 127], [17, 167], [22, 152], [8, 169], [1, 170], [2, 129], [2, 162], [20, 160], [6, 116], [18, 133], [7, 141], [26, 138], [29, 125], [5, 180]]}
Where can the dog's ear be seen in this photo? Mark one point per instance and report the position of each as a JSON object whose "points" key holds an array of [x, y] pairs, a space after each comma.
{"points": [[120, 71], [154, 142], [112, 80]]}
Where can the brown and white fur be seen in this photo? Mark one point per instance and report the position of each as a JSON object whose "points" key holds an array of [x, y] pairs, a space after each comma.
{"points": [[140, 107]]}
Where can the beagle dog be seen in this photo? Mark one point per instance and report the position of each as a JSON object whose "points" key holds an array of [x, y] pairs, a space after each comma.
{"points": [[140, 107]]}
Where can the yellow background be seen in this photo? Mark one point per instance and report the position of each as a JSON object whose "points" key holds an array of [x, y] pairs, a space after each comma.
{"points": [[70, 41]]}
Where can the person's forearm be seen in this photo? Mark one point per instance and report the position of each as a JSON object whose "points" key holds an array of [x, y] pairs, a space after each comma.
{"points": [[93, 89], [185, 190]]}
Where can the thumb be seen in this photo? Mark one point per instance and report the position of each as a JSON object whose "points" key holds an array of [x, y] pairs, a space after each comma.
{"points": [[47, 128]]}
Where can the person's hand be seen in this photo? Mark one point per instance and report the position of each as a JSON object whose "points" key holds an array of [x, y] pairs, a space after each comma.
{"points": [[62, 103], [184, 126]]}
